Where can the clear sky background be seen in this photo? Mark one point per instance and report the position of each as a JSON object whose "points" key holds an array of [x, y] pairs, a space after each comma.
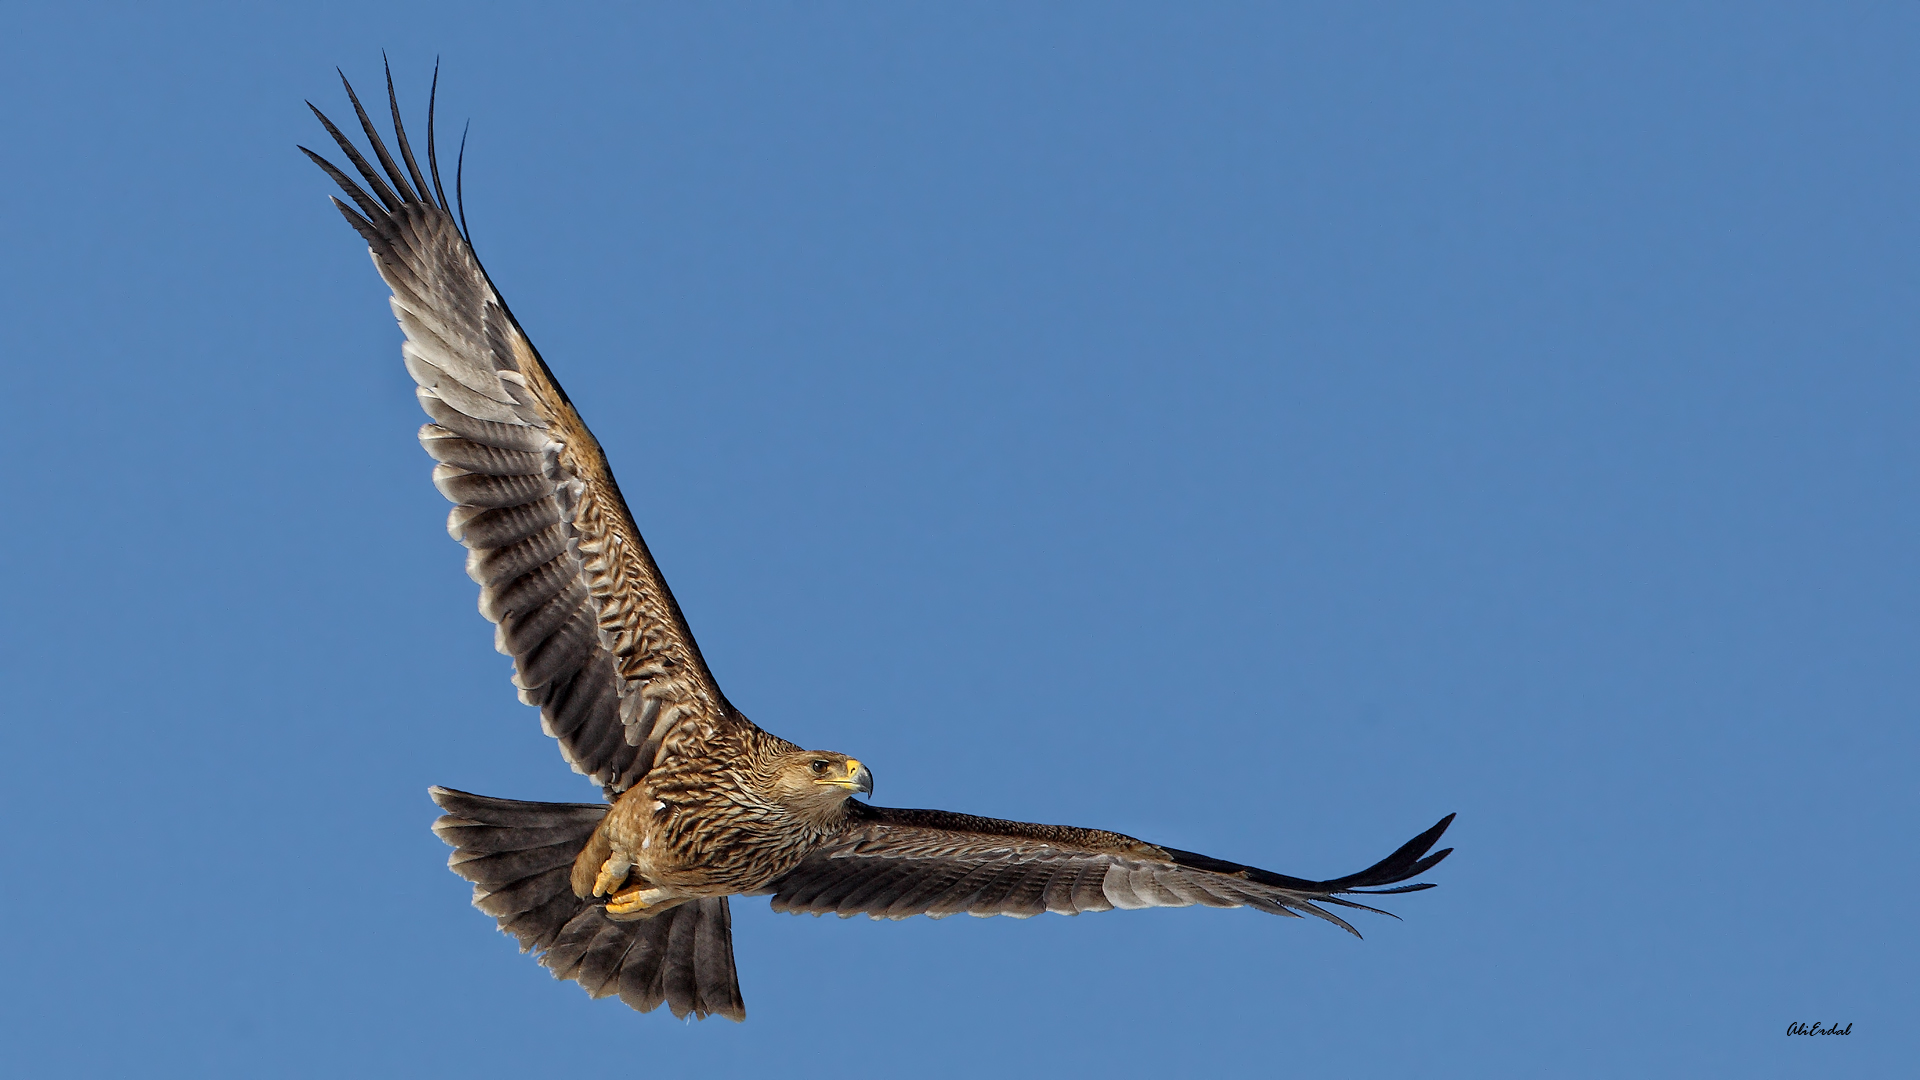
{"points": [[1261, 429]]}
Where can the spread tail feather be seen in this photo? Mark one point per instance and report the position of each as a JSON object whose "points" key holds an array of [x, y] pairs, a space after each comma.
{"points": [[519, 856]]}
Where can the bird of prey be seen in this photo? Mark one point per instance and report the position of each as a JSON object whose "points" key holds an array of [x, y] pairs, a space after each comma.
{"points": [[629, 896]]}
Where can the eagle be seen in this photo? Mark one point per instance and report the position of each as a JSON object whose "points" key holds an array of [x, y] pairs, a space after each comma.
{"points": [[629, 895]]}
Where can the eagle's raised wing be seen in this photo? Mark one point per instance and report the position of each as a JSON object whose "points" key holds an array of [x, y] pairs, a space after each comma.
{"points": [[598, 643], [891, 864]]}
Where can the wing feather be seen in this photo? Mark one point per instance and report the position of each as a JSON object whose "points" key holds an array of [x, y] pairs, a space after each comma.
{"points": [[1118, 887], [1002, 895], [450, 449], [597, 640], [588, 698], [1089, 890], [1029, 898], [896, 863], [492, 567], [480, 528], [1058, 896], [861, 894], [926, 879]]}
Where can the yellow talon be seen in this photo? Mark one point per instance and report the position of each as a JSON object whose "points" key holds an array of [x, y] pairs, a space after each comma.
{"points": [[628, 902], [612, 873]]}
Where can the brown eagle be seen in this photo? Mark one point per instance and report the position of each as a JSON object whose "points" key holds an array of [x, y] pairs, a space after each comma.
{"points": [[631, 898]]}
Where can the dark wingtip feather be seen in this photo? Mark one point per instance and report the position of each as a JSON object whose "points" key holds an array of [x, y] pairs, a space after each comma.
{"points": [[1322, 913], [1405, 862], [433, 160], [1404, 888], [400, 132], [379, 147], [459, 173], [360, 225], [1358, 906], [352, 189], [380, 189]]}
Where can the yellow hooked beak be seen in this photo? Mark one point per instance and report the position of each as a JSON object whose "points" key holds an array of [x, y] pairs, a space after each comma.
{"points": [[857, 778]]}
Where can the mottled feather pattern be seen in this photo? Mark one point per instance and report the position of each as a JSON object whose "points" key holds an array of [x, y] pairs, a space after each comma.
{"points": [[892, 864], [597, 641], [722, 821], [641, 624]]}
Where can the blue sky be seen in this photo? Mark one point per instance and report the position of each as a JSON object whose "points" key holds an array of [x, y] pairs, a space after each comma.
{"points": [[1261, 429]]}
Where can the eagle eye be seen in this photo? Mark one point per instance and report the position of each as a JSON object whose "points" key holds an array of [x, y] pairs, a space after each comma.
{"points": [[818, 766]]}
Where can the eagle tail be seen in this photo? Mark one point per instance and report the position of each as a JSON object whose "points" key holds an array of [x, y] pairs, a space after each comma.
{"points": [[519, 856]]}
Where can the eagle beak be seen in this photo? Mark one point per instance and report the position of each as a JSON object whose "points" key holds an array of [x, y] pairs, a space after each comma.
{"points": [[858, 779]]}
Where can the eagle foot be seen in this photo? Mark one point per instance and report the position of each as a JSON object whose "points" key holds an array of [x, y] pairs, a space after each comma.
{"points": [[633, 903], [612, 874]]}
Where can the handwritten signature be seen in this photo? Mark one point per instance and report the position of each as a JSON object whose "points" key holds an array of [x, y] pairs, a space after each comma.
{"points": [[1816, 1029]]}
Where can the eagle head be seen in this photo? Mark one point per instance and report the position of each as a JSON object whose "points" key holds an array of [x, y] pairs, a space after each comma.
{"points": [[819, 782]]}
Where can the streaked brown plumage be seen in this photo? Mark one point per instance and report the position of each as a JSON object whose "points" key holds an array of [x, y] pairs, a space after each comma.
{"points": [[632, 899]]}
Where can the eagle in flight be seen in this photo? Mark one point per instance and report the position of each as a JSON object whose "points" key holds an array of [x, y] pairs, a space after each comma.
{"points": [[629, 896]]}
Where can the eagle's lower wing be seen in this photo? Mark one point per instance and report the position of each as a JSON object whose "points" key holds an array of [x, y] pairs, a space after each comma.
{"points": [[895, 863], [598, 643]]}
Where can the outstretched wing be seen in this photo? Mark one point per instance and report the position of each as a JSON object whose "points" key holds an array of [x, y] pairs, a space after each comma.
{"points": [[891, 864], [598, 643]]}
